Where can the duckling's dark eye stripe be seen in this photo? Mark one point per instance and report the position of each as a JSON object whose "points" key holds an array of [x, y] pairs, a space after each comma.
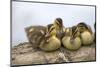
{"points": [[83, 25], [86, 27], [57, 23], [51, 29]]}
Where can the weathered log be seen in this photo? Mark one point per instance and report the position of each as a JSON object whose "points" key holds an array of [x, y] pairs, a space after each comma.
{"points": [[24, 54]]}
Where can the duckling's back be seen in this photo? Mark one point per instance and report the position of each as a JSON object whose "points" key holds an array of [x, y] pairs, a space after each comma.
{"points": [[35, 34]]}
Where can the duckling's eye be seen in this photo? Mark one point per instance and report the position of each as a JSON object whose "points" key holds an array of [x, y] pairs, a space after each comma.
{"points": [[59, 23]]}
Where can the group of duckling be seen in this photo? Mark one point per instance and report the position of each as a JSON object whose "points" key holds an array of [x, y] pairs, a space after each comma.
{"points": [[55, 35]]}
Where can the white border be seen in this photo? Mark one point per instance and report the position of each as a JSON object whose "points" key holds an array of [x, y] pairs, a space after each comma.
{"points": [[5, 33]]}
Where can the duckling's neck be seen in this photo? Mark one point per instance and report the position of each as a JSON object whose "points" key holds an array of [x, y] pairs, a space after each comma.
{"points": [[50, 38], [53, 35]]}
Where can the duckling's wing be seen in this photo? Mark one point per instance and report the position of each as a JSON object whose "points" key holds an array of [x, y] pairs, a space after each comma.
{"points": [[35, 33]]}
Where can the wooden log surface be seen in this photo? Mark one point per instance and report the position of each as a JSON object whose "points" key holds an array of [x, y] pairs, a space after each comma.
{"points": [[24, 54]]}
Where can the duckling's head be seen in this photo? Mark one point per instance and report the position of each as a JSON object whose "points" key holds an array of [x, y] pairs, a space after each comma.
{"points": [[58, 24], [50, 30], [82, 27], [48, 27]]}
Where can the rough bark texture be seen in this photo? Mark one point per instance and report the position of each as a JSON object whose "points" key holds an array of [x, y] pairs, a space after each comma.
{"points": [[24, 54]]}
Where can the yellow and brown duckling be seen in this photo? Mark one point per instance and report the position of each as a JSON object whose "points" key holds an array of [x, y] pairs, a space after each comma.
{"points": [[58, 23], [49, 41], [86, 33], [71, 39]]}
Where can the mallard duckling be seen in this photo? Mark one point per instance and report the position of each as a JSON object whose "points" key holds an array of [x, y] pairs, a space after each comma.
{"points": [[58, 23], [34, 34], [87, 35], [71, 39], [50, 42]]}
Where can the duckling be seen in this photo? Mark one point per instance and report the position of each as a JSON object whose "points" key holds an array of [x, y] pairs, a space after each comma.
{"points": [[71, 39], [34, 34], [58, 23], [87, 35], [49, 41]]}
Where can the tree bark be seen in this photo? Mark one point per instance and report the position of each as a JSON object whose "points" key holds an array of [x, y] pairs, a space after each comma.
{"points": [[24, 54]]}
